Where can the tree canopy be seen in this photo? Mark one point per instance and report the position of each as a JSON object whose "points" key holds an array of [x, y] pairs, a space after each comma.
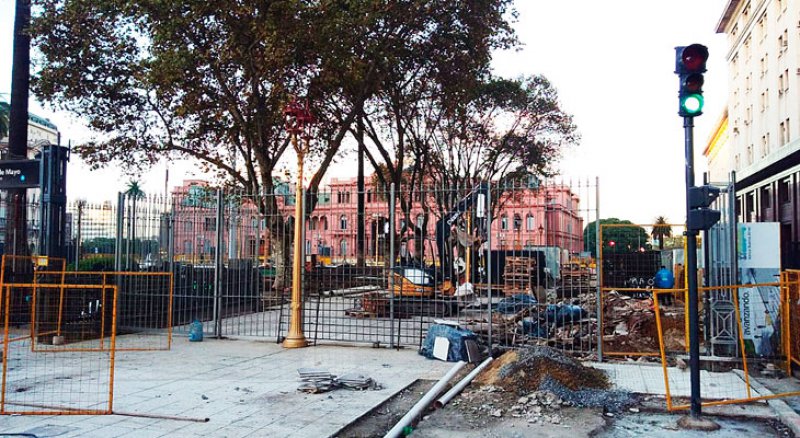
{"points": [[630, 238], [159, 78]]}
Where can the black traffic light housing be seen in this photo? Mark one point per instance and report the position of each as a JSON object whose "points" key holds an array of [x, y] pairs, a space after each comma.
{"points": [[690, 64], [700, 216]]}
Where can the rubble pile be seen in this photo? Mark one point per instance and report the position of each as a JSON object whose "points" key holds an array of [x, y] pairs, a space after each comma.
{"points": [[630, 324], [523, 371], [538, 407], [536, 385]]}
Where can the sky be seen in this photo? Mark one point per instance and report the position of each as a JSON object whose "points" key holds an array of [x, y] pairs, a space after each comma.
{"points": [[612, 62]]}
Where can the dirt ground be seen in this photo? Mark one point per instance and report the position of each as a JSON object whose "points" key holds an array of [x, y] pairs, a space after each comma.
{"points": [[470, 415], [494, 413]]}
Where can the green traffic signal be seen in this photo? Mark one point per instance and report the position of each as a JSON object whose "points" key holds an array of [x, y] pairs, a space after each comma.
{"points": [[692, 104]]}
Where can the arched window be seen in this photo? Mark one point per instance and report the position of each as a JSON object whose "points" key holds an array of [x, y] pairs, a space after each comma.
{"points": [[343, 222], [529, 222], [517, 222], [314, 223], [324, 220], [504, 222], [343, 247]]}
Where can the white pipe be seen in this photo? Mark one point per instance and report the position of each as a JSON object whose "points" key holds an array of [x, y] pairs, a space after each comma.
{"points": [[423, 402], [438, 404]]}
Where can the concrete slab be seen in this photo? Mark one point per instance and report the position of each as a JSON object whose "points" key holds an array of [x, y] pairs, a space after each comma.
{"points": [[245, 388], [649, 379]]}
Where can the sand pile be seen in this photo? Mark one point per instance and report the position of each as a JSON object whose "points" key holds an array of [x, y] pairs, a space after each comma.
{"points": [[524, 370]]}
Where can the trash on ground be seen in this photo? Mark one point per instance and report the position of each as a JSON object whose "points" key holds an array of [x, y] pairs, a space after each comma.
{"points": [[315, 381]]}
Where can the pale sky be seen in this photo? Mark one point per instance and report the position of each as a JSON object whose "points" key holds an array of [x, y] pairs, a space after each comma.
{"points": [[612, 62]]}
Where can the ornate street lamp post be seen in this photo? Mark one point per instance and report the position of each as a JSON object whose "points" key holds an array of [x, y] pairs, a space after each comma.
{"points": [[298, 124]]}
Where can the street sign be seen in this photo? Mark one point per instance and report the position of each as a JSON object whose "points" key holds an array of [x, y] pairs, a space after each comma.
{"points": [[19, 174]]}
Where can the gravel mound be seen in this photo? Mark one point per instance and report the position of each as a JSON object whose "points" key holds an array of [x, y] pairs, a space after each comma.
{"points": [[523, 371], [545, 369], [610, 401]]}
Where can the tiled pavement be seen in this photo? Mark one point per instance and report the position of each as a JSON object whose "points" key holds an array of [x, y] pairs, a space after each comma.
{"points": [[245, 388]]}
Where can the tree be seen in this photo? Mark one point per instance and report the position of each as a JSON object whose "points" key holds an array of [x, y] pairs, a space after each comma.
{"points": [[4, 110], [135, 193], [169, 78], [661, 230], [630, 238]]}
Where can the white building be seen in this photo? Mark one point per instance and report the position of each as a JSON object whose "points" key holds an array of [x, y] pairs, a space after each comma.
{"points": [[39, 129], [764, 114]]}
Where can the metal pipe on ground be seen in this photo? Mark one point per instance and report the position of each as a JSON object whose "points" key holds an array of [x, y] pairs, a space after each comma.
{"points": [[423, 403], [455, 390]]}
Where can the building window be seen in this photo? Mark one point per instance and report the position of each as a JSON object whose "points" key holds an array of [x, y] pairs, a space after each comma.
{"points": [[343, 222], [762, 26], [529, 222], [187, 246], [517, 222], [746, 11], [747, 54], [324, 220], [503, 222], [314, 223], [737, 161], [766, 197], [785, 81], [343, 248], [210, 224], [784, 191], [763, 64], [764, 146], [420, 220], [750, 154], [188, 226]]}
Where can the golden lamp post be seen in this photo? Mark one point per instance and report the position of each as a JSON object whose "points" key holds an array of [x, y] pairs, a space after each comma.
{"points": [[298, 122]]}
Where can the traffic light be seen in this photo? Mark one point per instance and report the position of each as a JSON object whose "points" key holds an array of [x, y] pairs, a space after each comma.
{"points": [[690, 64], [700, 216]]}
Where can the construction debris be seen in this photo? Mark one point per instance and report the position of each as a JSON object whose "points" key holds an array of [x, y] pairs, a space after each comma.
{"points": [[315, 381], [524, 370], [536, 385]]}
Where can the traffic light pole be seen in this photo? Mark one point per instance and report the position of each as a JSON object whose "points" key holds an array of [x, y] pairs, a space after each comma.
{"points": [[691, 275]]}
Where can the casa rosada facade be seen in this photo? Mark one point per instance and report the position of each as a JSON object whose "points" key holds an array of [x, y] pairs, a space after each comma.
{"points": [[527, 217]]}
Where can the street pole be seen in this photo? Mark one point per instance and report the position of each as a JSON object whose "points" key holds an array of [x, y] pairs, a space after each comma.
{"points": [[296, 338], [691, 276]]}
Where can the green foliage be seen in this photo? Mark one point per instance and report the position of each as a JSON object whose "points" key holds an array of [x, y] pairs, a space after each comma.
{"points": [[626, 239], [4, 112], [99, 263]]}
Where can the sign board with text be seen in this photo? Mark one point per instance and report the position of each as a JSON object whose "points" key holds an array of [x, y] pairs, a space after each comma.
{"points": [[19, 174]]}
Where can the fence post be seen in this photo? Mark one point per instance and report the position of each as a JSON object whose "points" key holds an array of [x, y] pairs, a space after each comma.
{"points": [[171, 235], [120, 231], [218, 265], [489, 258], [598, 268], [391, 268], [80, 205]]}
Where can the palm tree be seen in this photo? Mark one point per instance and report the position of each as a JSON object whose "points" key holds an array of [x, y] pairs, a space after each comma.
{"points": [[661, 230], [134, 192]]}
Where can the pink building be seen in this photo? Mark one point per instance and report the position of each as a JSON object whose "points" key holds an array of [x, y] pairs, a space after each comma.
{"points": [[527, 217]]}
